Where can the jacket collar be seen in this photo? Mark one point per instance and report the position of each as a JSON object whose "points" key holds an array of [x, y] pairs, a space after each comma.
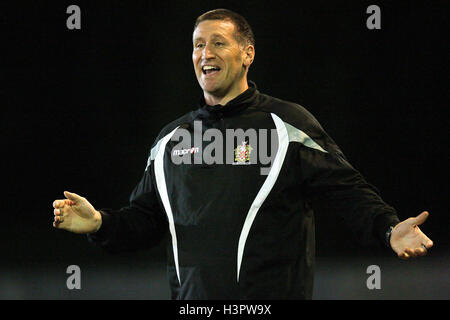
{"points": [[238, 104]]}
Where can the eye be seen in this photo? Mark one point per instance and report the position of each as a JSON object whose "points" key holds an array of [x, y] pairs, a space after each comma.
{"points": [[199, 45], [219, 44]]}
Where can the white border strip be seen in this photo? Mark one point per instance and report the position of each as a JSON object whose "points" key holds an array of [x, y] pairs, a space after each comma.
{"points": [[297, 135], [283, 143], [162, 188]]}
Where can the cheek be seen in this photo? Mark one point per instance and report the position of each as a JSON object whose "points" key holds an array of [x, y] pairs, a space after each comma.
{"points": [[238, 62], [237, 65], [195, 61]]}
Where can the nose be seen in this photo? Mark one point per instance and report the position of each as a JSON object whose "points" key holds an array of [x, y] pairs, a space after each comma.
{"points": [[208, 53]]}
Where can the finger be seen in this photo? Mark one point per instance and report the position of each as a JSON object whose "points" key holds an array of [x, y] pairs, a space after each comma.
{"points": [[58, 204], [420, 252], [59, 213], [410, 252], [62, 203], [56, 223], [403, 256], [72, 196], [420, 218], [427, 243]]}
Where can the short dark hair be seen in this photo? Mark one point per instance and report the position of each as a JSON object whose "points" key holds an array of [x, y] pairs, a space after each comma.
{"points": [[244, 31]]}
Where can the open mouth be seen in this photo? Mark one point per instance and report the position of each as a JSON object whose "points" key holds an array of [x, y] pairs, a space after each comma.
{"points": [[209, 69]]}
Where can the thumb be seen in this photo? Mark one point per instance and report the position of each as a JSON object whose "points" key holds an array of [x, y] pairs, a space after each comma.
{"points": [[420, 218], [72, 196]]}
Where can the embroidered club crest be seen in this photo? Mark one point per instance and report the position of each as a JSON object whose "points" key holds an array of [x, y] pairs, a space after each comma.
{"points": [[242, 153]]}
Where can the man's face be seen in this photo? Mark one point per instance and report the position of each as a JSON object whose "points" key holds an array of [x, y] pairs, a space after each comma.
{"points": [[217, 57]]}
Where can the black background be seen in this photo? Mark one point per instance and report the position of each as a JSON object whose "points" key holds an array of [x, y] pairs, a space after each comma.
{"points": [[81, 108]]}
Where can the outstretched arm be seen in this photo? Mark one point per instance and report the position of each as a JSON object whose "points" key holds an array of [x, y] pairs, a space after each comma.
{"points": [[139, 225], [330, 181]]}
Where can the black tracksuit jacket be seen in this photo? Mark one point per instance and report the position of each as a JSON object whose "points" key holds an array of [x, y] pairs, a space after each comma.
{"points": [[236, 232]]}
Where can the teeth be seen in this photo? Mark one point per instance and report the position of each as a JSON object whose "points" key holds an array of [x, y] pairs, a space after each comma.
{"points": [[205, 68]]}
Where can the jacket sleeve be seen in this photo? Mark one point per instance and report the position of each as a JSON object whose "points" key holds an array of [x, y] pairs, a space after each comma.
{"points": [[331, 182], [140, 225]]}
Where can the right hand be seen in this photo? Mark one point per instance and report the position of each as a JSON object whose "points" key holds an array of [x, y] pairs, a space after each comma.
{"points": [[76, 214]]}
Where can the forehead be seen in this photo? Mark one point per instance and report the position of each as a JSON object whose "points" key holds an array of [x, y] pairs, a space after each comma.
{"points": [[213, 28]]}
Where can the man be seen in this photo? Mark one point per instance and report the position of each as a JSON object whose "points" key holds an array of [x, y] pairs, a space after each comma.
{"points": [[239, 231]]}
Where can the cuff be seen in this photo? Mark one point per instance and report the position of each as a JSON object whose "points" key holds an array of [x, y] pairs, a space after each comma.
{"points": [[105, 229], [381, 226]]}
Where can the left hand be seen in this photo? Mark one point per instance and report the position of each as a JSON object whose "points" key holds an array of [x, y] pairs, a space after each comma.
{"points": [[407, 240]]}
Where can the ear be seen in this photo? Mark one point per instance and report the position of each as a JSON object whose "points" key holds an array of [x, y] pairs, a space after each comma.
{"points": [[249, 55]]}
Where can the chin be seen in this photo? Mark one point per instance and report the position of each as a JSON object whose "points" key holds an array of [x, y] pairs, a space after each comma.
{"points": [[211, 88]]}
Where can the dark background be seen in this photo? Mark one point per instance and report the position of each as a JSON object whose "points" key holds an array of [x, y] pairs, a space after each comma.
{"points": [[81, 108]]}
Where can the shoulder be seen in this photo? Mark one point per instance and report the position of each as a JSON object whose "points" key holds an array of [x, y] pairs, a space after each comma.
{"points": [[290, 112], [169, 127], [301, 119]]}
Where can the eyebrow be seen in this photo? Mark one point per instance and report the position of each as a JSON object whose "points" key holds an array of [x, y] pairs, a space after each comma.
{"points": [[213, 36]]}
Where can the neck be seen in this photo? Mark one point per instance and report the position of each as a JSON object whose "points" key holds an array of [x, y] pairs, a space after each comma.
{"points": [[213, 99]]}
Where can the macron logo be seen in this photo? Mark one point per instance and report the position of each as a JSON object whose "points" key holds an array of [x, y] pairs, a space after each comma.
{"points": [[185, 151]]}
